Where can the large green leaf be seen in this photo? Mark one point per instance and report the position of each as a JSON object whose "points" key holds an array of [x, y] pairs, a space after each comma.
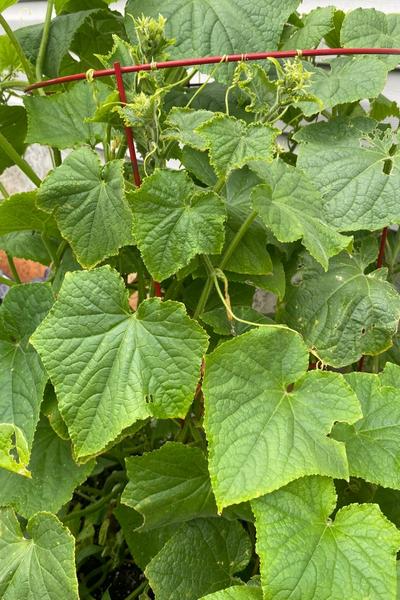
{"points": [[20, 213], [214, 27], [29, 245], [373, 443], [202, 557], [60, 120], [38, 564], [22, 376], [370, 28], [13, 127], [55, 475], [62, 32], [111, 368], [9, 59], [88, 202], [305, 555], [314, 27], [344, 313], [292, 207], [236, 592], [174, 220], [232, 143], [266, 420], [169, 485], [348, 165], [347, 80]]}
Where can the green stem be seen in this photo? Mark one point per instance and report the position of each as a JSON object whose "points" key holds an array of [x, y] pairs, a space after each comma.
{"points": [[57, 157], [225, 259], [77, 514], [137, 591], [13, 268], [18, 160], [237, 239], [12, 83], [44, 40], [8, 282], [11, 36], [4, 191]]}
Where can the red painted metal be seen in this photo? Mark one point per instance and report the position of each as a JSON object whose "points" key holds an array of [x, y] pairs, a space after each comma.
{"points": [[128, 130], [381, 255], [210, 60]]}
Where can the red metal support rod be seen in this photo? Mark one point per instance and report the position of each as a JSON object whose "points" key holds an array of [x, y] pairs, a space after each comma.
{"points": [[131, 147], [210, 60]]}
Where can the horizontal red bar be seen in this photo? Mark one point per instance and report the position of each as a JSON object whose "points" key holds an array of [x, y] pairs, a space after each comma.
{"points": [[211, 60]]}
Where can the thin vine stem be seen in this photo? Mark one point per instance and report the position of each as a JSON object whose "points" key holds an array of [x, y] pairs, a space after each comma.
{"points": [[19, 160], [18, 48], [3, 190], [44, 40], [8, 282], [13, 268]]}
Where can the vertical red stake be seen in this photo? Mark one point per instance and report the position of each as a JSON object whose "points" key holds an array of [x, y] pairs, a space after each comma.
{"points": [[381, 255], [131, 147]]}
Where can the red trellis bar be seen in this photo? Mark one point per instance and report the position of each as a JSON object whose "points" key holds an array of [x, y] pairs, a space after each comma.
{"points": [[118, 71], [212, 60]]}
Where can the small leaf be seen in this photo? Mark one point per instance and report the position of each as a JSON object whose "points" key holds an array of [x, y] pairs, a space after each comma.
{"points": [[88, 202], [111, 368], [22, 375], [315, 25], [54, 476], [292, 207], [174, 220], [305, 555], [373, 443], [60, 120], [202, 557], [169, 485], [181, 125], [232, 143], [13, 127], [20, 213], [349, 79], [40, 564], [261, 433], [343, 313]]}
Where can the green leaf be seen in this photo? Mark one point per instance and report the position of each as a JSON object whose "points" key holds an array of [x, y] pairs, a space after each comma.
{"points": [[22, 376], [55, 475], [88, 203], [29, 245], [202, 557], [121, 381], [143, 545], [315, 26], [174, 220], [216, 27], [60, 120], [370, 28], [253, 80], [198, 164], [6, 4], [236, 592], [13, 127], [344, 313], [291, 206], [232, 143], [63, 30], [9, 59], [262, 433], [305, 555], [372, 444], [251, 255], [20, 213], [40, 564], [349, 79], [181, 125], [390, 375], [382, 107], [169, 485], [349, 168]]}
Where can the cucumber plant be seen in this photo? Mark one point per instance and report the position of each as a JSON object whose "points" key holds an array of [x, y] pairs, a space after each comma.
{"points": [[161, 436]]}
